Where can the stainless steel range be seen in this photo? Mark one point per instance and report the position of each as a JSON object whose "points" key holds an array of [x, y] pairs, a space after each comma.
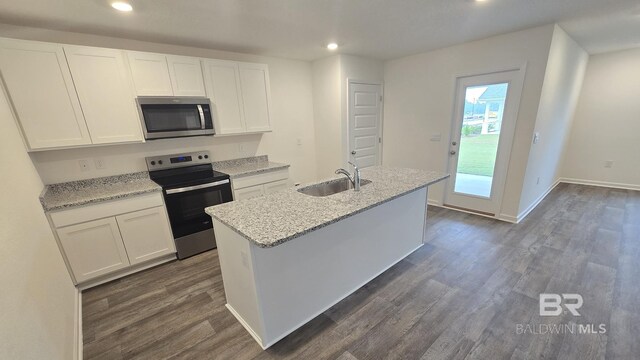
{"points": [[190, 185]]}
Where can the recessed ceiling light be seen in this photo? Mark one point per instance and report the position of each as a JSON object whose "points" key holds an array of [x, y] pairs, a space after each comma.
{"points": [[332, 46], [122, 6]]}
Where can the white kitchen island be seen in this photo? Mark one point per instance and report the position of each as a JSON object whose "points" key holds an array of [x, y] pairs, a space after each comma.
{"points": [[287, 257]]}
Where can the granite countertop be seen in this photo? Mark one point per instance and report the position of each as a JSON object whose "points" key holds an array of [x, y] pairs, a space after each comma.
{"points": [[276, 218], [247, 166], [83, 192]]}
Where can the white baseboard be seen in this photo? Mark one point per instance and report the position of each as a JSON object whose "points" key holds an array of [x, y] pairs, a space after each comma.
{"points": [[246, 326], [601, 184], [533, 205], [434, 203], [77, 331], [508, 218]]}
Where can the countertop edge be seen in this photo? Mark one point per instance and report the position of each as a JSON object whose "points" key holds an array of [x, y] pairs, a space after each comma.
{"points": [[327, 223], [256, 171], [48, 209]]}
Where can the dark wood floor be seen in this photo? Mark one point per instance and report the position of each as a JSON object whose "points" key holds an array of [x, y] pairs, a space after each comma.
{"points": [[461, 296]]}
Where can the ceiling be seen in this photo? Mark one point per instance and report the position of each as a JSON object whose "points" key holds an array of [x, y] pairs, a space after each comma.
{"points": [[299, 29]]}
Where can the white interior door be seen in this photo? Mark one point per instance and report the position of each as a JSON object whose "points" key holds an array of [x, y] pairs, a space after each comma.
{"points": [[365, 119], [486, 108]]}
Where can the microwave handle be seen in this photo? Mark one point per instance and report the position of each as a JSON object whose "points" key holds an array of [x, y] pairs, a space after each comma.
{"points": [[202, 124]]}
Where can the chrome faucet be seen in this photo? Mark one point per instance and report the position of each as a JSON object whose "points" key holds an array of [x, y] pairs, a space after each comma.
{"points": [[355, 179]]}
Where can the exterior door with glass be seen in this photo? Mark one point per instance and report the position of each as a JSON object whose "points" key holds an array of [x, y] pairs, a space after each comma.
{"points": [[482, 134]]}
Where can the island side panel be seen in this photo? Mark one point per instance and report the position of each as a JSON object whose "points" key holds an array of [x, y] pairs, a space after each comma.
{"points": [[238, 279], [300, 279]]}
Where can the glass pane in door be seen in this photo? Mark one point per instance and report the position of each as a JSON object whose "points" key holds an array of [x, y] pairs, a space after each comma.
{"points": [[479, 135]]}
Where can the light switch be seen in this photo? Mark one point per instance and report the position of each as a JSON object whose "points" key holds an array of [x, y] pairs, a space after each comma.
{"points": [[436, 137]]}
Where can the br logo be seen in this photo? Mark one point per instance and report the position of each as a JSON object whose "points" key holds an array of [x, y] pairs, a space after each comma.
{"points": [[552, 304]]}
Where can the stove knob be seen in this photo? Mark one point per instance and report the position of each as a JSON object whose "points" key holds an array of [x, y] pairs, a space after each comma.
{"points": [[206, 156], [153, 163], [200, 157], [159, 162]]}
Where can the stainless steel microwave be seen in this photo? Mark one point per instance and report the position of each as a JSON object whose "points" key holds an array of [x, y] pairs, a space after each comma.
{"points": [[170, 117]]}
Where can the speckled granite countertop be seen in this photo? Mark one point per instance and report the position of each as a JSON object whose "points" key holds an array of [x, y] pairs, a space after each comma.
{"points": [[83, 192], [247, 166], [276, 218]]}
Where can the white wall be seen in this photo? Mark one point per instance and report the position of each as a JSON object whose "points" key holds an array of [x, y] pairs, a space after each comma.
{"points": [[327, 111], [330, 101], [292, 117], [562, 83], [419, 96], [607, 123], [37, 298]]}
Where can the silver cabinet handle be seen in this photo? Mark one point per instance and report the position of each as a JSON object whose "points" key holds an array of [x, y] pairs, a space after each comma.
{"points": [[201, 116], [197, 187]]}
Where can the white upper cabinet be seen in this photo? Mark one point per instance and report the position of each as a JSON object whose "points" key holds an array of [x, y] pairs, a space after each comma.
{"points": [[240, 96], [105, 92], [186, 76], [166, 75], [150, 74], [41, 90], [222, 80], [256, 96]]}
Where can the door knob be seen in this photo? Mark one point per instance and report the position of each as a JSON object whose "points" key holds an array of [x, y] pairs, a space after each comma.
{"points": [[454, 143], [353, 152], [452, 152]]}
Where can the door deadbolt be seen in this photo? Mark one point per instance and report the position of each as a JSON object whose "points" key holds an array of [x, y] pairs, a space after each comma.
{"points": [[452, 152], [454, 143]]}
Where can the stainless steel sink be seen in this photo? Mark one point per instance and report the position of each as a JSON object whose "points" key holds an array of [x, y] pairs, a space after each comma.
{"points": [[331, 187]]}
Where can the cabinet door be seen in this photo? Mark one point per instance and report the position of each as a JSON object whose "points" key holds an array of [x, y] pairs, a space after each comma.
{"points": [[186, 76], [40, 87], [248, 192], [256, 96], [93, 248], [222, 81], [276, 186], [104, 89], [146, 234], [150, 74]]}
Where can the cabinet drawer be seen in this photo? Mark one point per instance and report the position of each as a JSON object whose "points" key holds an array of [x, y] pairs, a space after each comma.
{"points": [[272, 187], [110, 208], [248, 192], [253, 180]]}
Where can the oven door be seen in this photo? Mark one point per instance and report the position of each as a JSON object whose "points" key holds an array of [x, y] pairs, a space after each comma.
{"points": [[185, 205]]}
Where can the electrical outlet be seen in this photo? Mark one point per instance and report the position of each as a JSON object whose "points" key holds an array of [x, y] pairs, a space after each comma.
{"points": [[299, 141], [84, 165], [608, 164], [100, 163], [436, 137], [241, 149]]}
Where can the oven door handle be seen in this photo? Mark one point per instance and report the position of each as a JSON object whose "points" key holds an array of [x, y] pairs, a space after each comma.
{"points": [[197, 187], [201, 112]]}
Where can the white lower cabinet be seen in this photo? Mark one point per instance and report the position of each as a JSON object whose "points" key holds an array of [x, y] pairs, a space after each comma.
{"points": [[105, 241], [146, 234], [248, 192], [276, 186], [93, 248], [262, 184]]}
